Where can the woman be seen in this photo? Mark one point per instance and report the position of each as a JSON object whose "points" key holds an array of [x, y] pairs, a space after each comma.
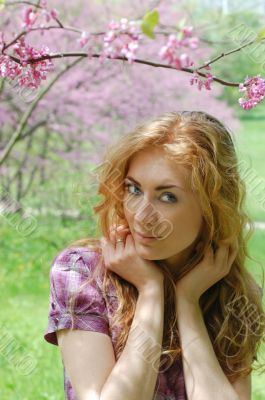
{"points": [[166, 283]]}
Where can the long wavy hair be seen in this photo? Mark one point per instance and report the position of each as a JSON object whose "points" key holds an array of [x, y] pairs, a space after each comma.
{"points": [[204, 145]]}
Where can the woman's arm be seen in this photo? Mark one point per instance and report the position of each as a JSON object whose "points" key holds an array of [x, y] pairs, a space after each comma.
{"points": [[204, 377], [135, 373]]}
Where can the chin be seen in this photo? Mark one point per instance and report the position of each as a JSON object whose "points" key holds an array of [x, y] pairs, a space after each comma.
{"points": [[146, 253]]}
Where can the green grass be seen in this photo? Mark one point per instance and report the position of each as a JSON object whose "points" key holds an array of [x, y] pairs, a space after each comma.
{"points": [[24, 277], [250, 149], [32, 370]]}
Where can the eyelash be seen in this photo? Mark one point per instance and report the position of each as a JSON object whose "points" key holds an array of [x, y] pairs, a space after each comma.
{"points": [[127, 185]]}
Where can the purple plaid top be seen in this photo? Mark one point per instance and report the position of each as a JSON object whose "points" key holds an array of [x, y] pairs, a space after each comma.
{"points": [[70, 268]]}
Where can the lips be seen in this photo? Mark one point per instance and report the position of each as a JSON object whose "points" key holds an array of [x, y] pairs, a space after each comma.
{"points": [[145, 236]]}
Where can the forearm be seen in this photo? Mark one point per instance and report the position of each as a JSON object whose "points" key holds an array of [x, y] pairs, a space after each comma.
{"points": [[204, 377], [135, 372]]}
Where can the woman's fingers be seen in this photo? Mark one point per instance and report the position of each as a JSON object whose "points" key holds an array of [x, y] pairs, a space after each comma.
{"points": [[118, 232], [233, 253], [209, 254], [225, 256]]}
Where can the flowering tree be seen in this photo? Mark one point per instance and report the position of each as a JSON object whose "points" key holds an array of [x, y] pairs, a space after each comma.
{"points": [[157, 64], [120, 41]]}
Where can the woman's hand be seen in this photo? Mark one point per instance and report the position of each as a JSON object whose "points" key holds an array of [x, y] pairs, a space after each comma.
{"points": [[121, 258], [212, 268]]}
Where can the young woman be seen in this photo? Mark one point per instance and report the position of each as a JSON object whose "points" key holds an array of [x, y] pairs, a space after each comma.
{"points": [[161, 306]]}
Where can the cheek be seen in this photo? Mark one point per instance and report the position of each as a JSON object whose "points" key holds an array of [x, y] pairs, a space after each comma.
{"points": [[186, 223], [188, 231], [131, 204], [128, 212], [124, 204]]}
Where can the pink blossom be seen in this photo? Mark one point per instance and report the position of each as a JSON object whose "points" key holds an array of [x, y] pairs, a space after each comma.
{"points": [[84, 39], [187, 31], [183, 61], [208, 67], [254, 90], [9, 68], [31, 15], [171, 51], [43, 3], [194, 42], [2, 40], [114, 25], [123, 24], [121, 40], [169, 54], [28, 74], [49, 14], [54, 13], [29, 18], [197, 80]]}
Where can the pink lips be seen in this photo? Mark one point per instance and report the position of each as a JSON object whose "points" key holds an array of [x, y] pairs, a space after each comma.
{"points": [[145, 238]]}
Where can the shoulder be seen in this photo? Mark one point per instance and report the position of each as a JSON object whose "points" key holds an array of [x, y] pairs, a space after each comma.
{"points": [[72, 272], [82, 260], [73, 266], [76, 302]]}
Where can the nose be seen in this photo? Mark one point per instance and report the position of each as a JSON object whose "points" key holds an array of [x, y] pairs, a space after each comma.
{"points": [[146, 216]]}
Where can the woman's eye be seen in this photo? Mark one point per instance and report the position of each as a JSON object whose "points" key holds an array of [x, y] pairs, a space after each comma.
{"points": [[173, 198], [128, 186]]}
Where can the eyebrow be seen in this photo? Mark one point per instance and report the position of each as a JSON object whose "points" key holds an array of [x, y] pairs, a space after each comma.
{"points": [[158, 187]]}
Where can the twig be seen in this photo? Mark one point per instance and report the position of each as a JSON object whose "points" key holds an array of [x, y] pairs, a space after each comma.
{"points": [[226, 54]]}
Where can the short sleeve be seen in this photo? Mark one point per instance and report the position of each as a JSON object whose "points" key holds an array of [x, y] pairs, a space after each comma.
{"points": [[71, 268]]}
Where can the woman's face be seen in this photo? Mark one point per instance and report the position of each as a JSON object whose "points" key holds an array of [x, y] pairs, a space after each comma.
{"points": [[173, 213]]}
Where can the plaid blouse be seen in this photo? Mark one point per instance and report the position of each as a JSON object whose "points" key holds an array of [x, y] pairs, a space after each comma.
{"points": [[70, 268]]}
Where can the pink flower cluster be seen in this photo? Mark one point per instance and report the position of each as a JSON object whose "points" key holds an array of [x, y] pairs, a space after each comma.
{"points": [[84, 39], [32, 14], [121, 40], [9, 68], [1, 40], [197, 80], [170, 52], [254, 90], [28, 74]]}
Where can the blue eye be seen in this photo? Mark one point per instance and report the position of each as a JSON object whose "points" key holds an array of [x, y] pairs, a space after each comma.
{"points": [[129, 185]]}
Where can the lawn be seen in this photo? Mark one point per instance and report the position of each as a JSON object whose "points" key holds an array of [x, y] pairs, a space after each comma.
{"points": [[250, 145]]}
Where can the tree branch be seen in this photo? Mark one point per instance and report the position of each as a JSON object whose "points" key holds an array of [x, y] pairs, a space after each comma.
{"points": [[29, 112], [137, 60]]}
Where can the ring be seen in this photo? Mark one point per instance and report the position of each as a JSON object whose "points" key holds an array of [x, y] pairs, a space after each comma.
{"points": [[119, 240]]}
